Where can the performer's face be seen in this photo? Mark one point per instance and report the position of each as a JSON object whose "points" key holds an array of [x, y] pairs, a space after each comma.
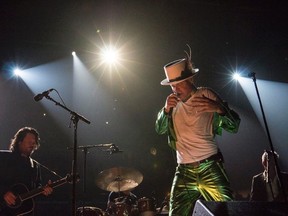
{"points": [[182, 89], [28, 145]]}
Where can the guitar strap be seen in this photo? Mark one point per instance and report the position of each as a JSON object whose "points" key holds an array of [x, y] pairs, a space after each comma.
{"points": [[32, 162], [36, 174]]}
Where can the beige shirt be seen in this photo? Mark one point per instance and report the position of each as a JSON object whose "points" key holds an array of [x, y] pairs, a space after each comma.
{"points": [[194, 131]]}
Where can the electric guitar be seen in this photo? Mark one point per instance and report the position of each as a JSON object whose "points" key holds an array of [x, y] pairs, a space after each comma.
{"points": [[24, 202]]}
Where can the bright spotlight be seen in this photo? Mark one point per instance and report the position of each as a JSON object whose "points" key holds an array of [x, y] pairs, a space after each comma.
{"points": [[236, 76], [18, 72], [110, 55], [73, 53]]}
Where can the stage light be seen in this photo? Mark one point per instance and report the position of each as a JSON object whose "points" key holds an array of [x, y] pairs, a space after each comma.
{"points": [[236, 76], [73, 53], [18, 72], [110, 55]]}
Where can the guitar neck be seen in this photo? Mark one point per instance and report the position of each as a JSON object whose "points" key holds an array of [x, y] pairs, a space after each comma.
{"points": [[38, 191]]}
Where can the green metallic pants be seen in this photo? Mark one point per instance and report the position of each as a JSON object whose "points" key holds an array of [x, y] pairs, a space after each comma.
{"points": [[208, 180]]}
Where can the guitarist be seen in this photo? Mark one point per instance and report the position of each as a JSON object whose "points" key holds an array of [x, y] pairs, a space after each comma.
{"points": [[17, 166]]}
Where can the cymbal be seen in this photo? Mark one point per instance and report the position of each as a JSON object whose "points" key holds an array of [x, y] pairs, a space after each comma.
{"points": [[119, 179]]}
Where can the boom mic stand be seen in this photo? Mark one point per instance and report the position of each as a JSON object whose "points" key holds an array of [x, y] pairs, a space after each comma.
{"points": [[278, 173], [49, 170], [75, 117]]}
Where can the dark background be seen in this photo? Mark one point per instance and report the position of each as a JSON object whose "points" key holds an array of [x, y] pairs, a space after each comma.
{"points": [[122, 104]]}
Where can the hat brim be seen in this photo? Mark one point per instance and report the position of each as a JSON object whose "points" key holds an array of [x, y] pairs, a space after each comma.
{"points": [[166, 82]]}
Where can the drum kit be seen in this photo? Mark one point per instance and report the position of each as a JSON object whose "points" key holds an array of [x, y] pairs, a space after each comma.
{"points": [[119, 179]]}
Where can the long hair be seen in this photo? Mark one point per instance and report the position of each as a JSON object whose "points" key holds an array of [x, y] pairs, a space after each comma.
{"points": [[20, 135]]}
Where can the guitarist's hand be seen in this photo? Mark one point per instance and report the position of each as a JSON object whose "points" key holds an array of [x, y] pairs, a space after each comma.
{"points": [[47, 189], [10, 198]]}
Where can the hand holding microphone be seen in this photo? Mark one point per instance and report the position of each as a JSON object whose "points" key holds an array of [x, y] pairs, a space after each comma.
{"points": [[170, 103]]}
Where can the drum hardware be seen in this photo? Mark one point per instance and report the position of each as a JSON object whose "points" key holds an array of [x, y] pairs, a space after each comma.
{"points": [[90, 211], [146, 207], [119, 179], [164, 205], [85, 152], [122, 208]]}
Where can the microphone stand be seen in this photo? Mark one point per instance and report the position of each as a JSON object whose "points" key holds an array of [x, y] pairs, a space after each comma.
{"points": [[75, 117], [278, 173], [51, 171], [85, 151]]}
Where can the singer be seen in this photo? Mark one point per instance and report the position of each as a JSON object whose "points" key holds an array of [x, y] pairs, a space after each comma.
{"points": [[192, 117]]}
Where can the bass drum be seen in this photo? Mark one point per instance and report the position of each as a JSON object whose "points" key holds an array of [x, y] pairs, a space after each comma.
{"points": [[146, 207], [89, 211]]}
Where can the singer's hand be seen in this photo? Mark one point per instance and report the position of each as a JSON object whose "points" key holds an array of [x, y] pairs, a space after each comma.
{"points": [[205, 104], [171, 102]]}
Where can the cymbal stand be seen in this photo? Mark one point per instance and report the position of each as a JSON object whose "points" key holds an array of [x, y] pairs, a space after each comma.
{"points": [[75, 117], [278, 172]]}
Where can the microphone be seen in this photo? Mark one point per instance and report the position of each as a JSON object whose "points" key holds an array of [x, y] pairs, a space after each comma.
{"points": [[171, 108], [170, 112], [113, 149], [251, 74], [39, 97]]}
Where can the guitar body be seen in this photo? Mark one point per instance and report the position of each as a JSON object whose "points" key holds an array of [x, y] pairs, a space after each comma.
{"points": [[24, 202], [21, 207]]}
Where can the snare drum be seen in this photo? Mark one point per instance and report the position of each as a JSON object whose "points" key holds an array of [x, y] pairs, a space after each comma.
{"points": [[146, 207], [89, 211]]}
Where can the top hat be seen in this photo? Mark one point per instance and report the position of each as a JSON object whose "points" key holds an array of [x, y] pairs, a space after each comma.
{"points": [[178, 71]]}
